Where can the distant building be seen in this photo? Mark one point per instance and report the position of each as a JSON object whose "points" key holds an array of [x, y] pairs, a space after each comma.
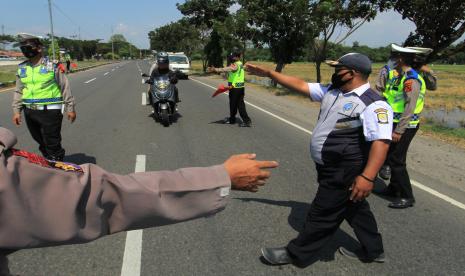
{"points": [[11, 54]]}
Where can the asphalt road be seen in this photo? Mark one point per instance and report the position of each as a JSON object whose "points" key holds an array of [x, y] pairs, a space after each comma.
{"points": [[113, 127]]}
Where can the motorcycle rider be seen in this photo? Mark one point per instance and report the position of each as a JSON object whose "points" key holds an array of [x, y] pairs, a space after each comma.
{"points": [[163, 68]]}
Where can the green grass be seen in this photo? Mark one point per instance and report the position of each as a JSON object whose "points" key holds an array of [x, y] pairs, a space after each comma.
{"points": [[7, 73], [452, 135]]}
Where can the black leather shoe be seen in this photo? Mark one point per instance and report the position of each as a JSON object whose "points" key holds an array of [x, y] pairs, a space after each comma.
{"points": [[402, 203], [228, 121], [359, 255], [245, 124], [385, 172], [387, 192], [276, 256]]}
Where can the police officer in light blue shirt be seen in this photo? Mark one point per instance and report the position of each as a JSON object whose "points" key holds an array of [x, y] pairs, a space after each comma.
{"points": [[349, 145]]}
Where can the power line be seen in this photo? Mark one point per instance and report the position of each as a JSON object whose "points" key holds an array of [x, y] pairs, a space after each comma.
{"points": [[72, 21], [65, 15]]}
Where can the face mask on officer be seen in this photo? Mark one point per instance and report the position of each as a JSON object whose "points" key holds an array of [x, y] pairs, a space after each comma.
{"points": [[29, 51], [337, 80]]}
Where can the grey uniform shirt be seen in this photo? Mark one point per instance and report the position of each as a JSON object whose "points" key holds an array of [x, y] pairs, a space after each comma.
{"points": [[42, 206], [61, 80], [344, 118]]}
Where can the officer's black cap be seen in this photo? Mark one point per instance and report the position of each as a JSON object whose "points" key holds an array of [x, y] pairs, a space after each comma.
{"points": [[235, 52], [355, 61]]}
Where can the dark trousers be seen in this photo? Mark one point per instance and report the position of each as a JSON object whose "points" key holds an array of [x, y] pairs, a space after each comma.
{"points": [[68, 65], [329, 209], [397, 160], [236, 101], [45, 128]]}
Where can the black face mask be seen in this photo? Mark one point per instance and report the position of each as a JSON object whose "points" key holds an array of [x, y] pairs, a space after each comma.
{"points": [[29, 51], [164, 70], [336, 80]]}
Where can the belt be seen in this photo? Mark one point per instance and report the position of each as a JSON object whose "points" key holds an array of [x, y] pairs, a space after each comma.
{"points": [[43, 106]]}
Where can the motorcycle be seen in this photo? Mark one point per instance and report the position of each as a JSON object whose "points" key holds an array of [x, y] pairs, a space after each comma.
{"points": [[162, 98]]}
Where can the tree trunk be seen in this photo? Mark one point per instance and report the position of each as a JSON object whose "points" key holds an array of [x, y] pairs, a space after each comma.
{"points": [[279, 68], [318, 70], [243, 51], [204, 65]]}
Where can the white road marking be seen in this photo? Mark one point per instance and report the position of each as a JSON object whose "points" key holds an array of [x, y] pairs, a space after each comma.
{"points": [[414, 183], [106, 73], [90, 80], [133, 247], [437, 194], [144, 98]]}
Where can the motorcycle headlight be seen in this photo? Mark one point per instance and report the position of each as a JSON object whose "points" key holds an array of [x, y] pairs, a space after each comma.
{"points": [[162, 85]]}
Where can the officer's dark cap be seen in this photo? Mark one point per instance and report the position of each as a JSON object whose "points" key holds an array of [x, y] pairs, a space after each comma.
{"points": [[355, 61], [235, 52]]}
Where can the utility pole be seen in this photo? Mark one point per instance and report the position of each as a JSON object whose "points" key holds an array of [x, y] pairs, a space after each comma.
{"points": [[3, 33], [51, 27], [112, 46]]}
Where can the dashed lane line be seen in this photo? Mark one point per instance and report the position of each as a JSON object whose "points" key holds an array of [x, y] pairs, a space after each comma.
{"points": [[133, 247]]}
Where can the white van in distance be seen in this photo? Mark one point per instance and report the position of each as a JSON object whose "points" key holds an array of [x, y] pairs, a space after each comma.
{"points": [[180, 64]]}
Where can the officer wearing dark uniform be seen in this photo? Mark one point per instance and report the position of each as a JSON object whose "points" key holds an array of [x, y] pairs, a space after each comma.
{"points": [[405, 91], [42, 91], [349, 144], [236, 80]]}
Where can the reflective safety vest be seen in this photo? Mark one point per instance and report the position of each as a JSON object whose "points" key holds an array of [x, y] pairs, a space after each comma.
{"points": [[236, 79], [40, 86], [394, 94]]}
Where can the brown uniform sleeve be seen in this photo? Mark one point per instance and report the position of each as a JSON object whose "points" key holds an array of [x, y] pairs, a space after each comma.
{"points": [[230, 68], [380, 85], [46, 207], [18, 96], [411, 93], [430, 80], [63, 83]]}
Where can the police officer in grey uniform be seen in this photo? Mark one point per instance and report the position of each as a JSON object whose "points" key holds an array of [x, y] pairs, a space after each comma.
{"points": [[42, 92], [419, 64], [405, 91], [349, 144]]}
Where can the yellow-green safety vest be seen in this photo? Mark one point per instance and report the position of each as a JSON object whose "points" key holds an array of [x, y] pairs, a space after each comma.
{"points": [[394, 94], [236, 79], [40, 86]]}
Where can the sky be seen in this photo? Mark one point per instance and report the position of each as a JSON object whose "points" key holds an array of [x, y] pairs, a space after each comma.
{"points": [[135, 18]]}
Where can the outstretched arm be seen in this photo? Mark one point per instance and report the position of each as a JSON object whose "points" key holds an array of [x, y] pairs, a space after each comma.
{"points": [[44, 206], [290, 82]]}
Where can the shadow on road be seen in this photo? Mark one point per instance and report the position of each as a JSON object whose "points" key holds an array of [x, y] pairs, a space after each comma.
{"points": [[379, 187], [174, 118], [221, 122], [80, 158], [296, 220]]}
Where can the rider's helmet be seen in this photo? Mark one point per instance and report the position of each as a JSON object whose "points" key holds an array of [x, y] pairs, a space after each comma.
{"points": [[162, 58]]}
